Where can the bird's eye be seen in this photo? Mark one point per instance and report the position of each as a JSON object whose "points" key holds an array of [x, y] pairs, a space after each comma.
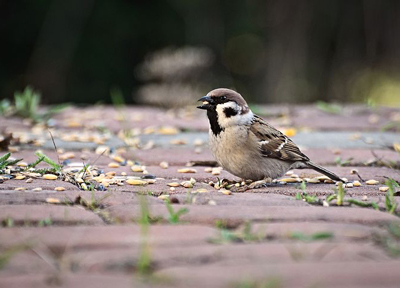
{"points": [[223, 98]]}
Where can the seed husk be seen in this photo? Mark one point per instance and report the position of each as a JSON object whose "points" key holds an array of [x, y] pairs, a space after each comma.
{"points": [[163, 197], [178, 141], [53, 200], [118, 159], [187, 170], [60, 188], [383, 188], [113, 165], [164, 165], [50, 176], [372, 182], [313, 180], [173, 184], [137, 168], [136, 182], [187, 184], [20, 189], [225, 191], [20, 177], [37, 189], [289, 180], [356, 183]]}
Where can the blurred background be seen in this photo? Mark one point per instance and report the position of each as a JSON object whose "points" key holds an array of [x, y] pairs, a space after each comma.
{"points": [[171, 52]]}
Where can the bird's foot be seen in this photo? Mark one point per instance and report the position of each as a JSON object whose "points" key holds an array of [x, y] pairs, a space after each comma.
{"points": [[260, 184], [252, 185]]}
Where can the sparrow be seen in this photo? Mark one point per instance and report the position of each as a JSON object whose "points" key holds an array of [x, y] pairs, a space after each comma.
{"points": [[247, 146]]}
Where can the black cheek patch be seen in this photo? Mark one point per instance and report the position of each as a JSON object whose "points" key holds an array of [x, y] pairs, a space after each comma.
{"points": [[229, 112]]}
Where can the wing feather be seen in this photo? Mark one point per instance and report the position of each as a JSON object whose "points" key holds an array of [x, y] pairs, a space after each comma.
{"points": [[275, 144]]}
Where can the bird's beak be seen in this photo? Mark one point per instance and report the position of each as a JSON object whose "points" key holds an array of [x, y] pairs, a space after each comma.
{"points": [[207, 102]]}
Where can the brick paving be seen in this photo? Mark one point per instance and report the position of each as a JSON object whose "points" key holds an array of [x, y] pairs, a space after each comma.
{"points": [[258, 238]]}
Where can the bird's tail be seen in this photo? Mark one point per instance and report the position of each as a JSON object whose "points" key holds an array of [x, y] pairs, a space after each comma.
{"points": [[324, 171]]}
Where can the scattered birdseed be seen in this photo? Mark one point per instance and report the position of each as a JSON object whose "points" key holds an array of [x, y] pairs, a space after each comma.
{"points": [[136, 182], [29, 180], [151, 181], [198, 142], [118, 159], [187, 170], [173, 184], [37, 189], [113, 165], [20, 177], [123, 174], [329, 181], [164, 165], [208, 169], [383, 188], [225, 191], [22, 164], [172, 188], [353, 171], [365, 198], [290, 180], [53, 200], [216, 171], [288, 173], [372, 182], [349, 185], [212, 203], [201, 190], [65, 156], [163, 197], [137, 168], [20, 189], [178, 142], [60, 188], [198, 150], [50, 176], [313, 180], [111, 173], [323, 178], [102, 149], [187, 184], [356, 183], [168, 130]]}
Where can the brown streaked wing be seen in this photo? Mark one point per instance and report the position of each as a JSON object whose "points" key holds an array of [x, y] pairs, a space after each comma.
{"points": [[275, 143]]}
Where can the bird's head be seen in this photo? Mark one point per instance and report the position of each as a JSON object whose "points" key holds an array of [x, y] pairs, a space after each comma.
{"points": [[227, 106]]}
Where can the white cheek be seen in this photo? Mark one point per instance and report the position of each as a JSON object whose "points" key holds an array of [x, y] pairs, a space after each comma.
{"points": [[239, 119]]}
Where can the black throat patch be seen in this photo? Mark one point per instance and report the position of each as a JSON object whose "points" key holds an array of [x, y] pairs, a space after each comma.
{"points": [[213, 118], [229, 112]]}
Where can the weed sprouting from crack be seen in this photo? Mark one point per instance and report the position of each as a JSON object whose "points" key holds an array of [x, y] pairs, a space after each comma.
{"points": [[174, 217], [390, 201], [313, 237], [8, 253], [244, 236], [144, 267], [273, 282], [390, 241]]}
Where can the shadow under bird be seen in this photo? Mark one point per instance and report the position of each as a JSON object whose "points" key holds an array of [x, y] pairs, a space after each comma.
{"points": [[247, 146]]}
